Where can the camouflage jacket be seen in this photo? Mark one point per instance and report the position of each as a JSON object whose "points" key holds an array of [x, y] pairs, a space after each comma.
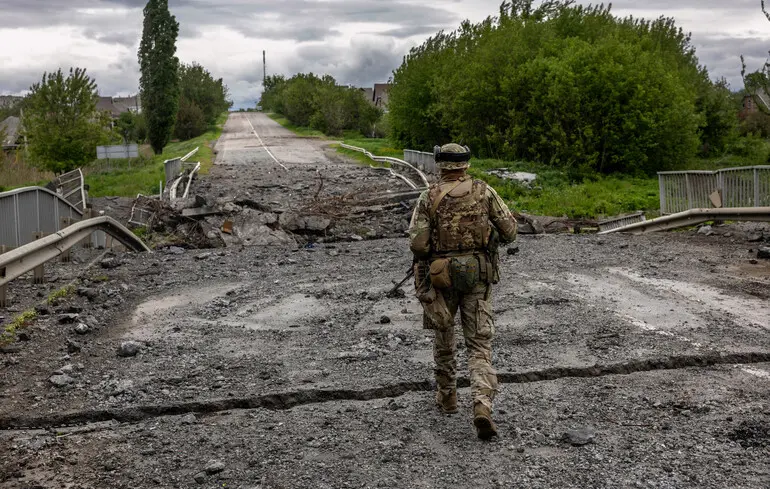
{"points": [[421, 227]]}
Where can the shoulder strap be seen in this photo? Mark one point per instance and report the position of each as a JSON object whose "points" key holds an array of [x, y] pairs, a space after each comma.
{"points": [[440, 197]]}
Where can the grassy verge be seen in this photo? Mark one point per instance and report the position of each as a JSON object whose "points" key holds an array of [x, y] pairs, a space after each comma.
{"points": [[298, 130], [144, 175], [15, 173], [23, 320]]}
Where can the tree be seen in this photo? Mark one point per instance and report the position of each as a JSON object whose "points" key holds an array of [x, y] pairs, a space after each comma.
{"points": [[190, 120], [307, 100], [159, 82], [200, 88], [61, 122], [563, 84]]}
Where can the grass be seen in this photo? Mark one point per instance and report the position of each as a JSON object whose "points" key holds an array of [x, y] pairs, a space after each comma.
{"points": [[298, 130], [15, 173], [20, 322], [54, 297], [145, 174]]}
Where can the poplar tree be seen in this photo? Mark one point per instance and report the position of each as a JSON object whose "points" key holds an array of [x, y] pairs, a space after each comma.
{"points": [[159, 82]]}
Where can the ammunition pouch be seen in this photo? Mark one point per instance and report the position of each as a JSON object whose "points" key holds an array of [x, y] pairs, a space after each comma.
{"points": [[437, 315], [440, 275], [465, 272]]}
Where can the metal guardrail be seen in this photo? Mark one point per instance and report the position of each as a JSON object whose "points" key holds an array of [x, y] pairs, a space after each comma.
{"points": [[731, 187], [186, 175], [424, 161], [695, 216], [17, 262], [393, 161], [71, 186], [30, 211], [622, 221]]}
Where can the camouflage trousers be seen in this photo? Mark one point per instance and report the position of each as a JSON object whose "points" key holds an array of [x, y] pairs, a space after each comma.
{"points": [[478, 330]]}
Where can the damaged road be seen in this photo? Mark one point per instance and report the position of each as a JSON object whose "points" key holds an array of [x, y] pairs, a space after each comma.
{"points": [[626, 361]]}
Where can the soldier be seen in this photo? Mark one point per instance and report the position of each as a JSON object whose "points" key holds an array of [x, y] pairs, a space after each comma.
{"points": [[454, 233]]}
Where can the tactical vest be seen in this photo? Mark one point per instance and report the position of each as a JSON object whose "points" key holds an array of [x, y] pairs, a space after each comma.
{"points": [[459, 216]]}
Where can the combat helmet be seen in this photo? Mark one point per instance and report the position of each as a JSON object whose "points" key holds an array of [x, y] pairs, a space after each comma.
{"points": [[452, 156]]}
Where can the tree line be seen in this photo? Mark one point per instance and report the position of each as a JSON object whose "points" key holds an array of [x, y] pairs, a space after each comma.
{"points": [[318, 102], [571, 86], [62, 123]]}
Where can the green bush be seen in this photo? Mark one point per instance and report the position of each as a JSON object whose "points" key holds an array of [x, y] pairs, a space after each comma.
{"points": [[564, 85], [319, 103]]}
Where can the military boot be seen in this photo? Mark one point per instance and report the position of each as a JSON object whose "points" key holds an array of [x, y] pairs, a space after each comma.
{"points": [[482, 420], [447, 402]]}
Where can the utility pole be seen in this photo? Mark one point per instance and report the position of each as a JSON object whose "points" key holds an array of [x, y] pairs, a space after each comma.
{"points": [[264, 69]]}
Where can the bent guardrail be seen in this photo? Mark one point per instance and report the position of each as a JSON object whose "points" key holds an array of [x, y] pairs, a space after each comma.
{"points": [[693, 217], [30, 211], [393, 161], [31, 256]]}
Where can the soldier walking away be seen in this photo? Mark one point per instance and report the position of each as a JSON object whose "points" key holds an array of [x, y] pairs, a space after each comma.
{"points": [[455, 231]]}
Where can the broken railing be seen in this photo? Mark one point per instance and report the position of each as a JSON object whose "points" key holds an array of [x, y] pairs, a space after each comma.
{"points": [[693, 217], [32, 256], [423, 180], [727, 188]]}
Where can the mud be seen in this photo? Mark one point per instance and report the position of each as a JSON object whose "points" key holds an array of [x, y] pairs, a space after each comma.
{"points": [[277, 363]]}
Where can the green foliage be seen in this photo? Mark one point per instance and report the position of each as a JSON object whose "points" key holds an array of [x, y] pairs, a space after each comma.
{"points": [[159, 81], [144, 176], [199, 88], [61, 122], [62, 293], [21, 321], [756, 123], [190, 120], [568, 86], [131, 127], [319, 103]]}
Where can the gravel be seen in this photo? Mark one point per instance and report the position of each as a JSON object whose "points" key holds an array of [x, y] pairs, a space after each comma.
{"points": [[271, 366]]}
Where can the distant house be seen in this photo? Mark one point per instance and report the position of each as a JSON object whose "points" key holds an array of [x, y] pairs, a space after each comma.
{"points": [[118, 105], [10, 129], [755, 102], [381, 94]]}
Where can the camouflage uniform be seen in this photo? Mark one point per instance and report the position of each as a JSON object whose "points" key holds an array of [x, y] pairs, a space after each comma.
{"points": [[460, 225]]}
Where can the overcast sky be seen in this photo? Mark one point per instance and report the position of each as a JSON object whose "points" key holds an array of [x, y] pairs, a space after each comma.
{"points": [[359, 42]]}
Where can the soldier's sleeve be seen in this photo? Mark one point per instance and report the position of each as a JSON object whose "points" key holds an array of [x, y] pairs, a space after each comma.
{"points": [[419, 228], [501, 217]]}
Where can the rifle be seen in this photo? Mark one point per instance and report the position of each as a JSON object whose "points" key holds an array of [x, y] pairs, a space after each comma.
{"points": [[394, 291]]}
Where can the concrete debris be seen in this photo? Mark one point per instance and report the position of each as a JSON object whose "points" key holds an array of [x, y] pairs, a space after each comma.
{"points": [[518, 176], [579, 436], [82, 329], [61, 380], [764, 253], [706, 230], [129, 349]]}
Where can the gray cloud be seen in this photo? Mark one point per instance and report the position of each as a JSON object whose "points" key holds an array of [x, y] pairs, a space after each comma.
{"points": [[358, 42]]}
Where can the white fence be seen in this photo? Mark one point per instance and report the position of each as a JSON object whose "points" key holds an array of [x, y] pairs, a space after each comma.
{"points": [[117, 152], [735, 187], [423, 161]]}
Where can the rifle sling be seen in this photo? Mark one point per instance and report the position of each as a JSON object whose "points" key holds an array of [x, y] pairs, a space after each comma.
{"points": [[444, 193]]}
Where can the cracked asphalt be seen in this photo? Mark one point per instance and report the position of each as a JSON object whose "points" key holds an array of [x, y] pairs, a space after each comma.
{"points": [[282, 367]]}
